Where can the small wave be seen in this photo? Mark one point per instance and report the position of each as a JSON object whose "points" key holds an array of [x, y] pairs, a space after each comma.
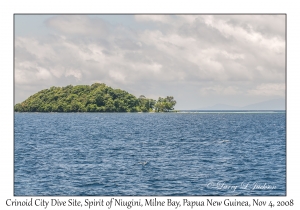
{"points": [[224, 141], [143, 163], [91, 185]]}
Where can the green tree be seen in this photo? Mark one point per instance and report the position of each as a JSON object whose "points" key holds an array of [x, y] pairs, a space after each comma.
{"points": [[95, 98], [165, 104], [146, 104]]}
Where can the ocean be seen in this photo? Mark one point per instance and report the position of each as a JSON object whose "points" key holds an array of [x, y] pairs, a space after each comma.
{"points": [[188, 153]]}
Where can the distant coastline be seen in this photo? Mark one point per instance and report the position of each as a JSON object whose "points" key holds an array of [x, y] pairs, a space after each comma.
{"points": [[273, 104]]}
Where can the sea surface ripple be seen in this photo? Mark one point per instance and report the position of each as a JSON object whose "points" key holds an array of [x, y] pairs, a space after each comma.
{"points": [[145, 154]]}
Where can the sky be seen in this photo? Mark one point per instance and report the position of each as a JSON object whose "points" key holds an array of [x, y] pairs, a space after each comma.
{"points": [[201, 60]]}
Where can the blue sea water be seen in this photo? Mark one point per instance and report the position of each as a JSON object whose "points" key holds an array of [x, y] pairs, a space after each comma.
{"points": [[187, 153]]}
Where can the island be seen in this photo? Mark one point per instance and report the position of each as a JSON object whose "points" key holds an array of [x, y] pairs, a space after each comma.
{"points": [[95, 98]]}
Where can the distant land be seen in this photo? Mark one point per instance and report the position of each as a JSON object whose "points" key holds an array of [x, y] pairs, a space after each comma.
{"points": [[274, 104], [95, 98]]}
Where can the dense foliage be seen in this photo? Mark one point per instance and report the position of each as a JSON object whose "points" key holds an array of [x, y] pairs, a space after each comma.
{"points": [[95, 98], [165, 104]]}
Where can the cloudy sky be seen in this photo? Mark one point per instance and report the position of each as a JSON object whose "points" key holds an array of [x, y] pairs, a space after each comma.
{"points": [[201, 60]]}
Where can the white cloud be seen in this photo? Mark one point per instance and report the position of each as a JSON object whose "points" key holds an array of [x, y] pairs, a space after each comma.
{"points": [[43, 74], [269, 89], [214, 55], [220, 90], [153, 18], [118, 76]]}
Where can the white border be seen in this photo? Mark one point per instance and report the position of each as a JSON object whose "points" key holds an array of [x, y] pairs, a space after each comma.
{"points": [[156, 6]]}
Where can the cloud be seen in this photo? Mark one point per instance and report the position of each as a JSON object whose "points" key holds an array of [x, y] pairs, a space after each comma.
{"points": [[217, 90], [78, 25], [268, 89], [160, 54], [153, 18]]}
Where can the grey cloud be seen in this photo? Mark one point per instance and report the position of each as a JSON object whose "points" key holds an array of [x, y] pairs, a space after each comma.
{"points": [[267, 25], [22, 54], [168, 55], [126, 44], [204, 34]]}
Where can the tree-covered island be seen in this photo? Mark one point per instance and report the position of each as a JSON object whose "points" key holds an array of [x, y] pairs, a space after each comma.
{"points": [[95, 98]]}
